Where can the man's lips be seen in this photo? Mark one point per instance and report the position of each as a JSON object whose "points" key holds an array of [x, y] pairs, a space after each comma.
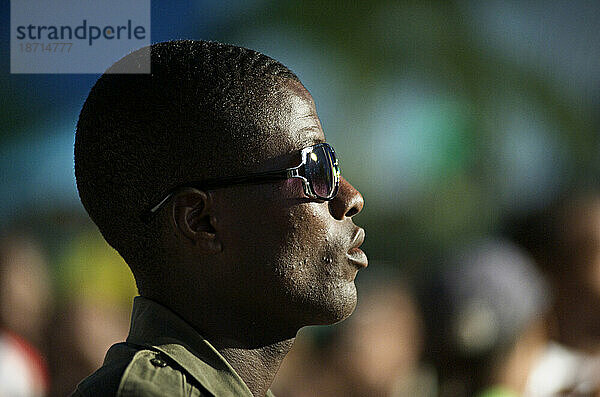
{"points": [[355, 254]]}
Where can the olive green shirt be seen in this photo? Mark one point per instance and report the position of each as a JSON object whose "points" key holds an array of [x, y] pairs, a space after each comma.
{"points": [[163, 356]]}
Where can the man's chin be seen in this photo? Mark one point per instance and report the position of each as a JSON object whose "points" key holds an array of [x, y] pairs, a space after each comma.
{"points": [[336, 306]]}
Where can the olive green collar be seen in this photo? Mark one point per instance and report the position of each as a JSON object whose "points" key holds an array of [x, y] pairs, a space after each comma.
{"points": [[154, 325]]}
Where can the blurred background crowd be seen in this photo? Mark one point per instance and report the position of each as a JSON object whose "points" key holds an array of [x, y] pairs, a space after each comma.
{"points": [[472, 130]]}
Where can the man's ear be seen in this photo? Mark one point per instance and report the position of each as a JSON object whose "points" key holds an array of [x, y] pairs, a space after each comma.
{"points": [[193, 219]]}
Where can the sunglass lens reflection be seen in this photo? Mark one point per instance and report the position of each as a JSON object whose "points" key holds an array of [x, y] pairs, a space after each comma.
{"points": [[320, 172]]}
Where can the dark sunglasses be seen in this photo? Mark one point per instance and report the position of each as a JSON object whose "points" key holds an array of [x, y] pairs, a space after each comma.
{"points": [[319, 172]]}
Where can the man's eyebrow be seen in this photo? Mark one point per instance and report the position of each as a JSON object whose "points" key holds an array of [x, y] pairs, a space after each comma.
{"points": [[309, 115], [311, 138], [311, 128], [317, 139]]}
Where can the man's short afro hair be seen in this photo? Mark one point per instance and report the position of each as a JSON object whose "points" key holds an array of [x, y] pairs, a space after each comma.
{"points": [[196, 115]]}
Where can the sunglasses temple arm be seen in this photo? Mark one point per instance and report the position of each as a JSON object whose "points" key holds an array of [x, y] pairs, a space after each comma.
{"points": [[260, 177], [149, 214], [294, 172]]}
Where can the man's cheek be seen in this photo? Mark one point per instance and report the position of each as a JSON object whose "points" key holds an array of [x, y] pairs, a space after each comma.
{"points": [[292, 188]]}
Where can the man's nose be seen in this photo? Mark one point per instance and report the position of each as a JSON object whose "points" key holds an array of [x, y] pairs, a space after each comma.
{"points": [[348, 201]]}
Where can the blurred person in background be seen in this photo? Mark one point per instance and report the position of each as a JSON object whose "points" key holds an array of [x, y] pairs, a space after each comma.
{"points": [[484, 320], [96, 291], [25, 300], [564, 239], [376, 352], [212, 178]]}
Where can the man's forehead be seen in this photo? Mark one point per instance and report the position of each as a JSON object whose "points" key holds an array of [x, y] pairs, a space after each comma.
{"points": [[293, 124], [298, 115]]}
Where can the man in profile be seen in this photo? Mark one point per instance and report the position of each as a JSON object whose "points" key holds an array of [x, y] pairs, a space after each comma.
{"points": [[212, 178]]}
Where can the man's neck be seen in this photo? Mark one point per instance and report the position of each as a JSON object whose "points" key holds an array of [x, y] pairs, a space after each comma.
{"points": [[256, 366], [255, 352]]}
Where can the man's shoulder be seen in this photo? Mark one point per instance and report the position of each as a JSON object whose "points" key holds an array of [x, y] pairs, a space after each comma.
{"points": [[105, 381], [131, 370]]}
